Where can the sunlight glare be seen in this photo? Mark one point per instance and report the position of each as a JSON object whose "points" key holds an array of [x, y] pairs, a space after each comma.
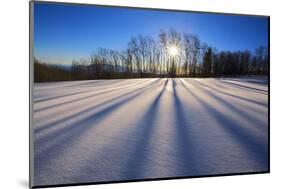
{"points": [[173, 51]]}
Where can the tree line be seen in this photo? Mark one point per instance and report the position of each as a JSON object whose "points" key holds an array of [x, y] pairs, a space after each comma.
{"points": [[172, 54]]}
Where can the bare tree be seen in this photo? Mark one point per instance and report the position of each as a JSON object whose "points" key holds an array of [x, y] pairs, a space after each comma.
{"points": [[163, 40]]}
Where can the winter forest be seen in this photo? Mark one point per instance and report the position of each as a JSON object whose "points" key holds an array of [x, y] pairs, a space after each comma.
{"points": [[171, 54]]}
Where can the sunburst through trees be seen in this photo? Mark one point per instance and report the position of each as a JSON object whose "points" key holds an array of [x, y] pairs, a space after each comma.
{"points": [[172, 54]]}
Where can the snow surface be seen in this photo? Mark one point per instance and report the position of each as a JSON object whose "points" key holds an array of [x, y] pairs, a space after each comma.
{"points": [[109, 130]]}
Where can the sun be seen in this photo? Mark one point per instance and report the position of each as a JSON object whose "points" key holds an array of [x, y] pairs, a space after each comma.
{"points": [[173, 51]]}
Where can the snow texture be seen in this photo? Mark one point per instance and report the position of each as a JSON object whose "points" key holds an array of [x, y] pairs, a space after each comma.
{"points": [[111, 130]]}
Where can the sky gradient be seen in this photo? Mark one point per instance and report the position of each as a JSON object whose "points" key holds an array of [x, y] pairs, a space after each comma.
{"points": [[63, 32]]}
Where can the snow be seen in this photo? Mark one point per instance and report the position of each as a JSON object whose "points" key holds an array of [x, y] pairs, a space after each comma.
{"points": [[109, 130]]}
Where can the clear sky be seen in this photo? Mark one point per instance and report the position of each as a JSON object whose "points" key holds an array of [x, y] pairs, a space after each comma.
{"points": [[64, 32]]}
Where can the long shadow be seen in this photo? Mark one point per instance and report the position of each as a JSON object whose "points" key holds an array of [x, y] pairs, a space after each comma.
{"points": [[76, 129], [75, 93], [232, 95], [222, 84], [260, 83], [96, 81], [256, 148], [252, 89], [190, 160], [42, 93], [144, 131], [228, 105], [82, 98], [44, 89], [72, 85], [46, 126], [68, 136]]}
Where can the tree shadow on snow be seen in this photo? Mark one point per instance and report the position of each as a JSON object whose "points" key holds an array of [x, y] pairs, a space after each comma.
{"points": [[72, 94], [256, 148], [85, 97], [53, 143], [144, 131], [234, 96], [190, 157], [239, 111], [252, 89], [43, 127]]}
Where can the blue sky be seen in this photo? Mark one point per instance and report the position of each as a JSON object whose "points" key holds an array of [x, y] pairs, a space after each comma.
{"points": [[64, 32]]}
